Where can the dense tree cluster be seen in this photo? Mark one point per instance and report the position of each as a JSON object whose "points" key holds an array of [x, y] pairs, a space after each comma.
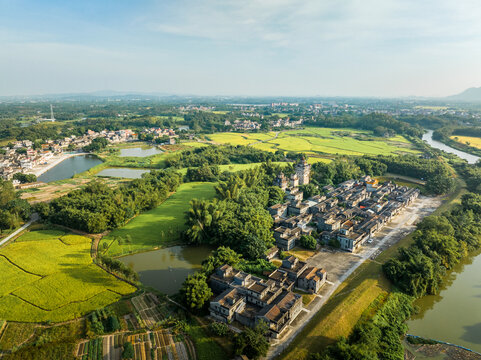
{"points": [[439, 243], [437, 174], [96, 145], [472, 176], [202, 121], [238, 218], [308, 242], [380, 124], [341, 170], [101, 322], [219, 155], [12, 209], [97, 207], [252, 342], [25, 178]]}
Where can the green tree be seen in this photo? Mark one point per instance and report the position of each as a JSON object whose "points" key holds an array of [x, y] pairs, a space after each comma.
{"points": [[276, 195], [128, 351], [221, 256], [195, 291], [252, 342], [308, 242]]}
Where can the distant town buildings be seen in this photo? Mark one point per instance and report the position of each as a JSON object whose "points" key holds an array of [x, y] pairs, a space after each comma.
{"points": [[22, 157]]}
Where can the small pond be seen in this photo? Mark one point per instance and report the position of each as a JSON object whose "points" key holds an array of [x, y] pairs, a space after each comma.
{"points": [[166, 269], [123, 173], [139, 151]]}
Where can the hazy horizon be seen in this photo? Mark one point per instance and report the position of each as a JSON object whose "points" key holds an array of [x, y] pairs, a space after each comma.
{"points": [[385, 49]]}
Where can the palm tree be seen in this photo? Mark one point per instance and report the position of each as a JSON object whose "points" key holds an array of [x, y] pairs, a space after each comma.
{"points": [[199, 218], [230, 189]]}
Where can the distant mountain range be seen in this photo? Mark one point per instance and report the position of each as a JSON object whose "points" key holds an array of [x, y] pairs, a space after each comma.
{"points": [[469, 95]]}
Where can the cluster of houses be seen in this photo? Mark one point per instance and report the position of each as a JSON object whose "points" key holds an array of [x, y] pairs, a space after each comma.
{"points": [[243, 125], [22, 157], [159, 132], [249, 299], [286, 122], [349, 214]]}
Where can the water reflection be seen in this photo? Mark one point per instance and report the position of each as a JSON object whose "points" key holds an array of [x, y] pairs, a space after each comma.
{"points": [[454, 315], [166, 269], [139, 152], [69, 167], [123, 173]]}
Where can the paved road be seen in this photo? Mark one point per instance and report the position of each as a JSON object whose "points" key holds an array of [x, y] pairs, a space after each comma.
{"points": [[33, 218], [397, 229]]}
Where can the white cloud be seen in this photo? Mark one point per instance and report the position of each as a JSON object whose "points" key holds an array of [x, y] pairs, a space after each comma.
{"points": [[294, 23]]}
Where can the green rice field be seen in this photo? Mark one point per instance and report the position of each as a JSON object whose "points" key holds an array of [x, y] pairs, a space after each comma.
{"points": [[48, 275], [159, 227], [319, 141]]}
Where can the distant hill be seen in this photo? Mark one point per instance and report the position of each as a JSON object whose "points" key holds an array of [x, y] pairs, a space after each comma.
{"points": [[470, 95]]}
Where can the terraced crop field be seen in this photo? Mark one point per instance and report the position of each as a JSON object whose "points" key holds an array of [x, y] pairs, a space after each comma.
{"points": [[48, 275], [319, 141], [161, 226], [468, 140]]}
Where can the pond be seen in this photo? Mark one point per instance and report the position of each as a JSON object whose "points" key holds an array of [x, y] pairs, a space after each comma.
{"points": [[454, 315], [69, 167], [139, 152], [123, 173], [428, 137], [166, 269]]}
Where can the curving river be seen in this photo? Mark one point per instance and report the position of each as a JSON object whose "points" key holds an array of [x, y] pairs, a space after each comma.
{"points": [[428, 137], [453, 315]]}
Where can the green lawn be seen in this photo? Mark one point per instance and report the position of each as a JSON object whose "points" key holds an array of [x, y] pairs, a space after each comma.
{"points": [[48, 275], [158, 227]]}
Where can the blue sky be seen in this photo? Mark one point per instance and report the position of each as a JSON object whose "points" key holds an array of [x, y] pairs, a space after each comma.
{"points": [[249, 47]]}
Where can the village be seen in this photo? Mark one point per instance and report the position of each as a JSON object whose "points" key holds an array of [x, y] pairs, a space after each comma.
{"points": [[345, 217], [29, 158]]}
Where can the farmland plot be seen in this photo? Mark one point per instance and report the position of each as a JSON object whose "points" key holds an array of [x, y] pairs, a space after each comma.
{"points": [[49, 276]]}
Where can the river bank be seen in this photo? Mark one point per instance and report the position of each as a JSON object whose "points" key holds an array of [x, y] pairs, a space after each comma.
{"points": [[428, 138]]}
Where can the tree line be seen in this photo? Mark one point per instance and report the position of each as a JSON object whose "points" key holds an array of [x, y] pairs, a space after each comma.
{"points": [[13, 209], [221, 155], [98, 207]]}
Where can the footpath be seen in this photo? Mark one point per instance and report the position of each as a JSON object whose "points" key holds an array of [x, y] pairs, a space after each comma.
{"points": [[33, 218]]}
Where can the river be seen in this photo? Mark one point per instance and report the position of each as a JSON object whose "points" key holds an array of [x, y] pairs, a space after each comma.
{"points": [[69, 167], [166, 269], [428, 137], [454, 315]]}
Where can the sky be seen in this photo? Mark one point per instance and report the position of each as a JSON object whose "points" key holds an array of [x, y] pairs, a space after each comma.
{"points": [[382, 48]]}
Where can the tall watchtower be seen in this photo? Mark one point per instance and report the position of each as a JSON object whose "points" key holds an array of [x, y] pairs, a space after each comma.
{"points": [[303, 171]]}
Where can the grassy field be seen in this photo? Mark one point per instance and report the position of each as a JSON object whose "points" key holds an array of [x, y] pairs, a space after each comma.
{"points": [[468, 140], [319, 141], [48, 275], [337, 317], [161, 226]]}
